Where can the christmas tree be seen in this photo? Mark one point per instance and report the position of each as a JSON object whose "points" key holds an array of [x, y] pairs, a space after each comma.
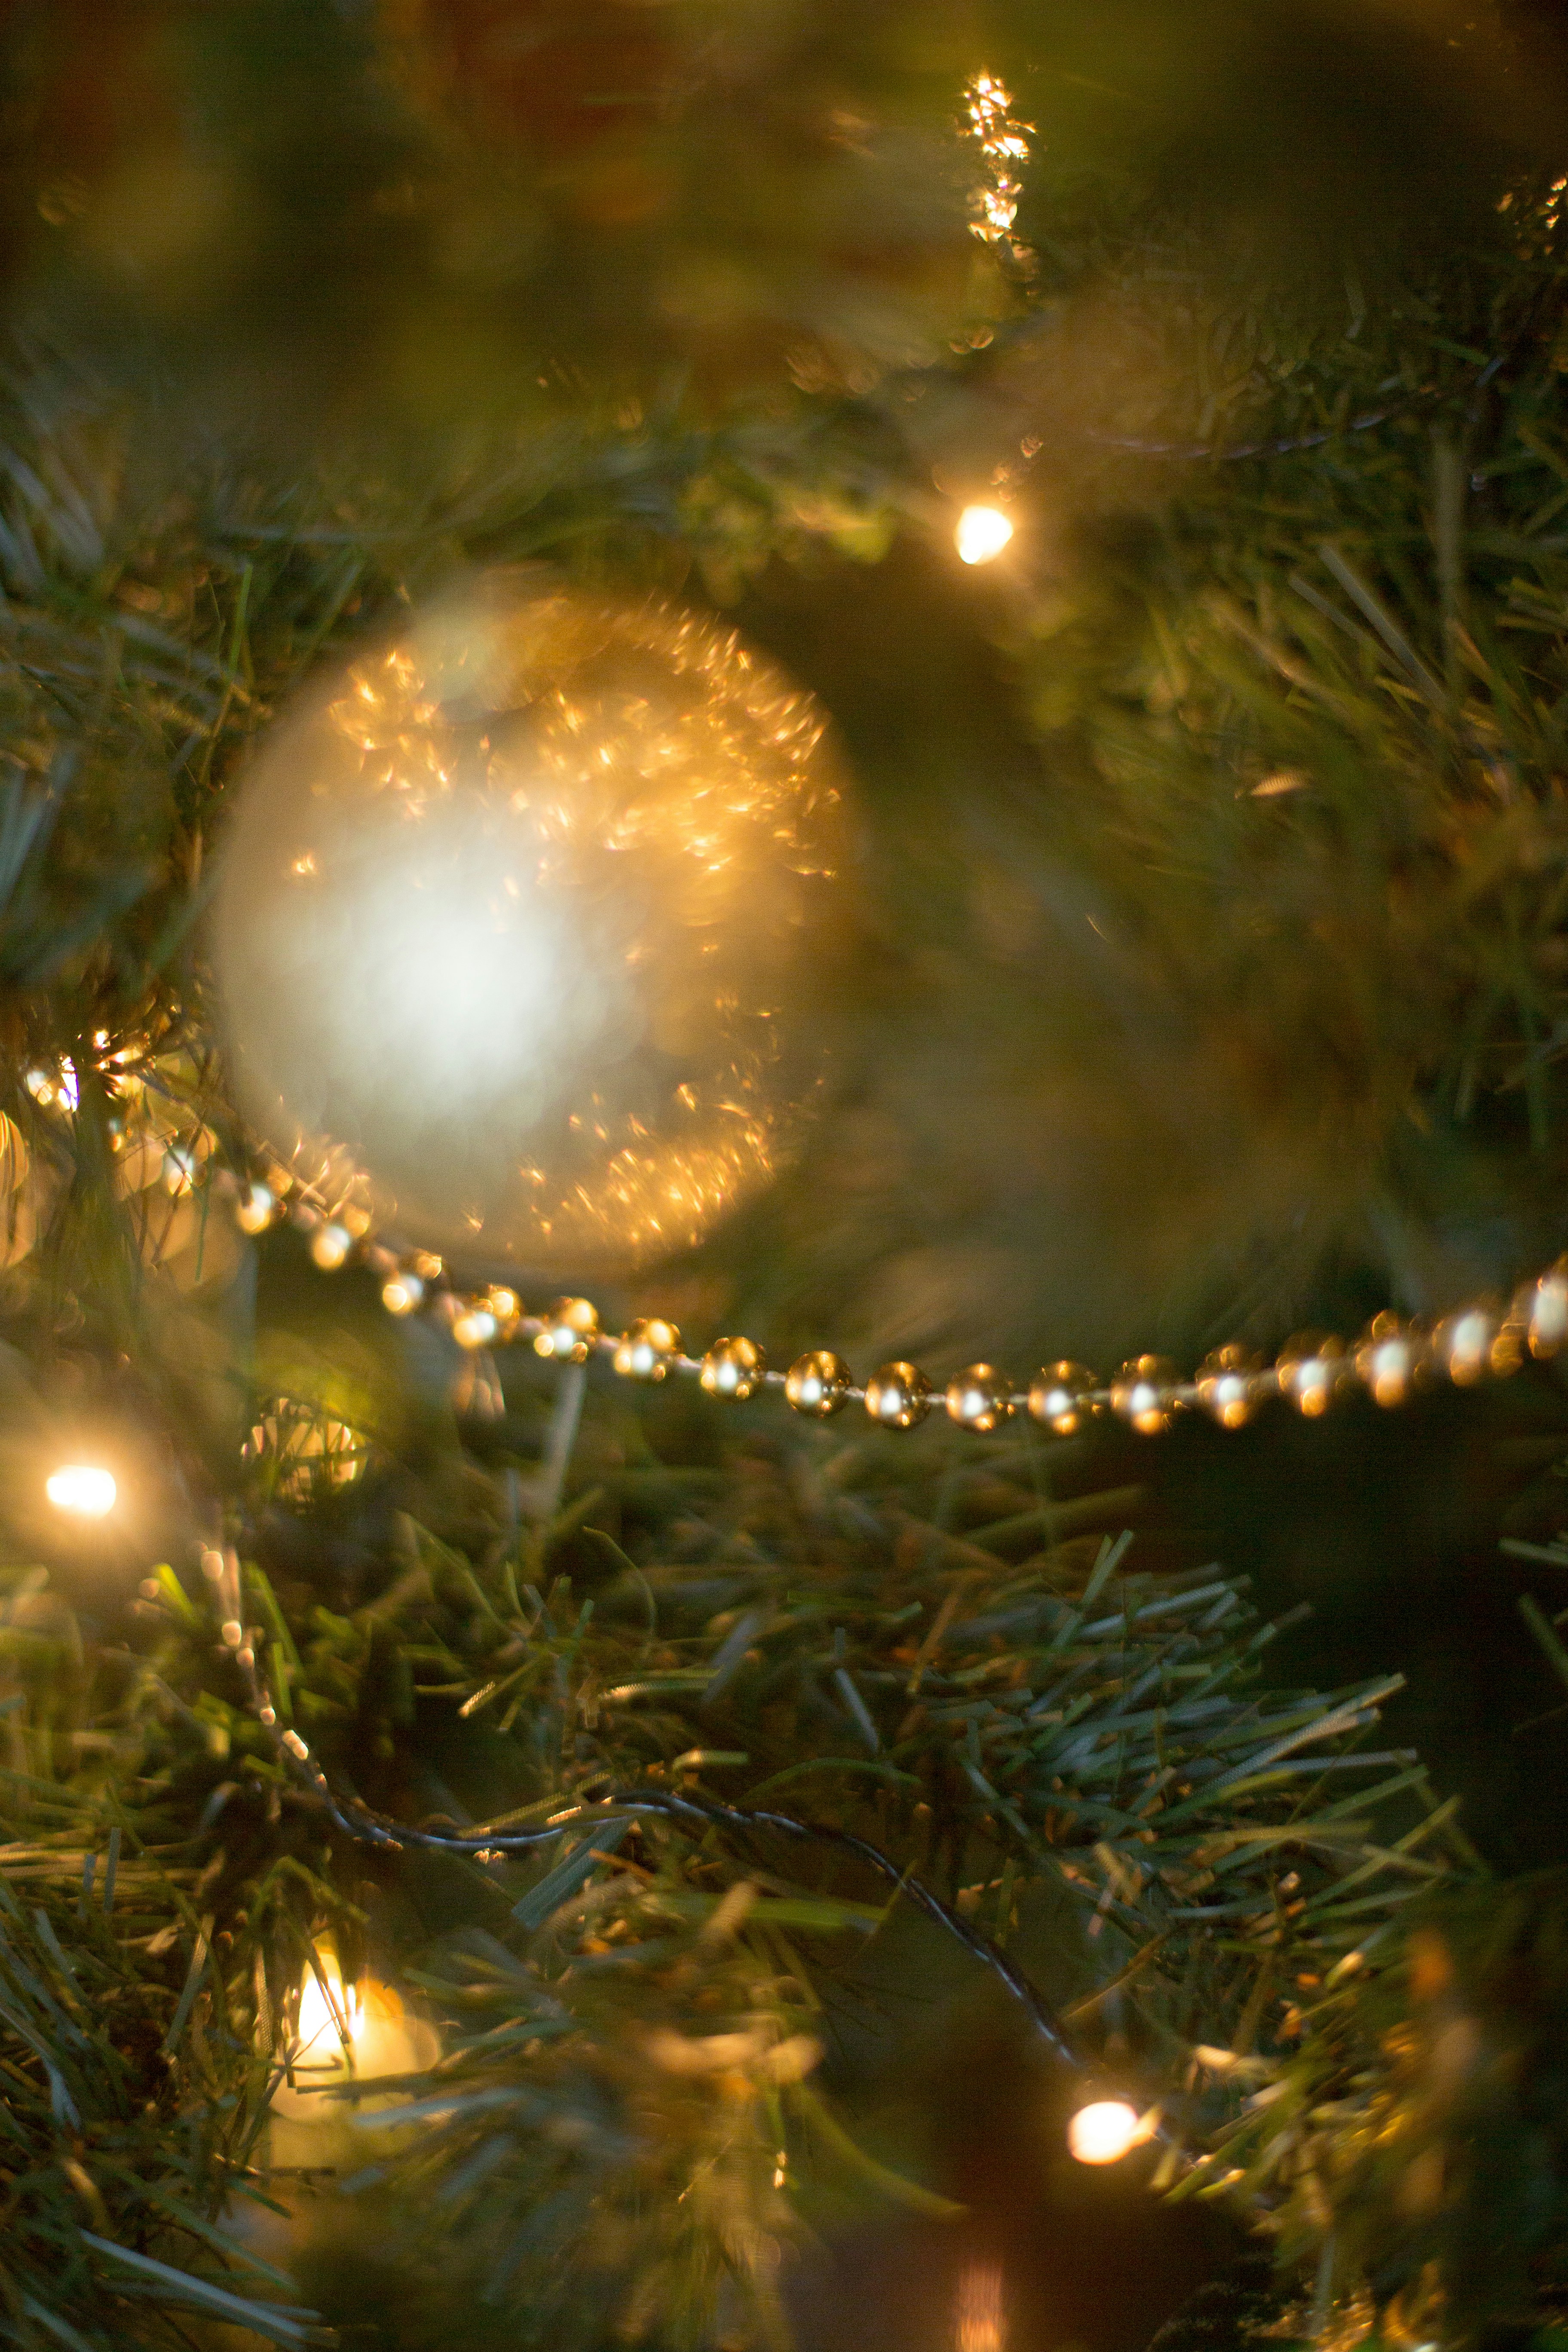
{"points": [[881, 688]]}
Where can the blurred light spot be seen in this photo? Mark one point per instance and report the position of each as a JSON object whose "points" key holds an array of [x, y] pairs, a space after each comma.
{"points": [[980, 2316], [1103, 2132], [981, 534], [86, 1492]]}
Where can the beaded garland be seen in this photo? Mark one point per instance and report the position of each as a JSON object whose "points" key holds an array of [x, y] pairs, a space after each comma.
{"points": [[1393, 1358]]}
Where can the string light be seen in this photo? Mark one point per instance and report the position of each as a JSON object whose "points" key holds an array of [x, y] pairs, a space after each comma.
{"points": [[1104, 2131], [85, 1490], [981, 533]]}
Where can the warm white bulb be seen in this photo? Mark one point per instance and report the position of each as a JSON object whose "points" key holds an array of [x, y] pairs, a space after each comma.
{"points": [[86, 1492], [402, 1293], [981, 534], [1103, 2132], [329, 2016]]}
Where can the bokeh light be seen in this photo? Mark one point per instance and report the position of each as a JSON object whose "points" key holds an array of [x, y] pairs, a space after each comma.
{"points": [[981, 533], [1103, 2131], [84, 1489]]}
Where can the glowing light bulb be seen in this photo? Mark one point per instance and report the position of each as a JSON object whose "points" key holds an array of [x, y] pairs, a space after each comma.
{"points": [[82, 1489], [401, 1293], [1103, 2132], [330, 1245], [331, 2012], [981, 534]]}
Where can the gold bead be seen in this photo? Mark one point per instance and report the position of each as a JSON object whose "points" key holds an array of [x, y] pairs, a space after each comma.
{"points": [[401, 1293], [507, 1307], [474, 1327], [1059, 1394], [818, 1384], [257, 1207], [734, 1369], [571, 1327], [1389, 1360], [1139, 1393], [1311, 1368], [979, 1398], [330, 1245], [897, 1396], [1474, 1343], [1543, 1310], [645, 1351], [1227, 1385]]}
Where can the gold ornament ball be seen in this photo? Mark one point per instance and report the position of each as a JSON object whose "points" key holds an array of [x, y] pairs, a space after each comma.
{"points": [[521, 917], [897, 1396], [818, 1384], [645, 1351], [979, 1398], [571, 1329], [1059, 1395], [734, 1370], [1139, 1393]]}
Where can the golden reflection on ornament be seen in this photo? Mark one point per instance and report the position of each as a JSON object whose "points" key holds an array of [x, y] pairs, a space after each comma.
{"points": [[83, 1490], [734, 1369], [1227, 1385], [54, 1087], [1059, 1396], [897, 1396], [524, 912], [1104, 2131], [1388, 1360], [1311, 1368], [981, 533], [818, 1384], [980, 2311], [1137, 1394], [646, 1349], [979, 1398], [571, 1328]]}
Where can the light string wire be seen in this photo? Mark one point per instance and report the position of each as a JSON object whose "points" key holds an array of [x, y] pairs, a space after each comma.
{"points": [[358, 1821], [1394, 1360]]}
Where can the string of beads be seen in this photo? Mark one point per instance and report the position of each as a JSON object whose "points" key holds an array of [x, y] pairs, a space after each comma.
{"points": [[1390, 1362]]}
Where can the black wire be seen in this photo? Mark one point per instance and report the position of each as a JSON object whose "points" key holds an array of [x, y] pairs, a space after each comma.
{"points": [[368, 1828]]}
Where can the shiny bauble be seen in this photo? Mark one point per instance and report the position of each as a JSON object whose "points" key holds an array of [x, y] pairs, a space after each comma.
{"points": [[1061, 1395], [897, 1396], [734, 1369], [818, 1384], [646, 1349], [520, 917], [979, 1398]]}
